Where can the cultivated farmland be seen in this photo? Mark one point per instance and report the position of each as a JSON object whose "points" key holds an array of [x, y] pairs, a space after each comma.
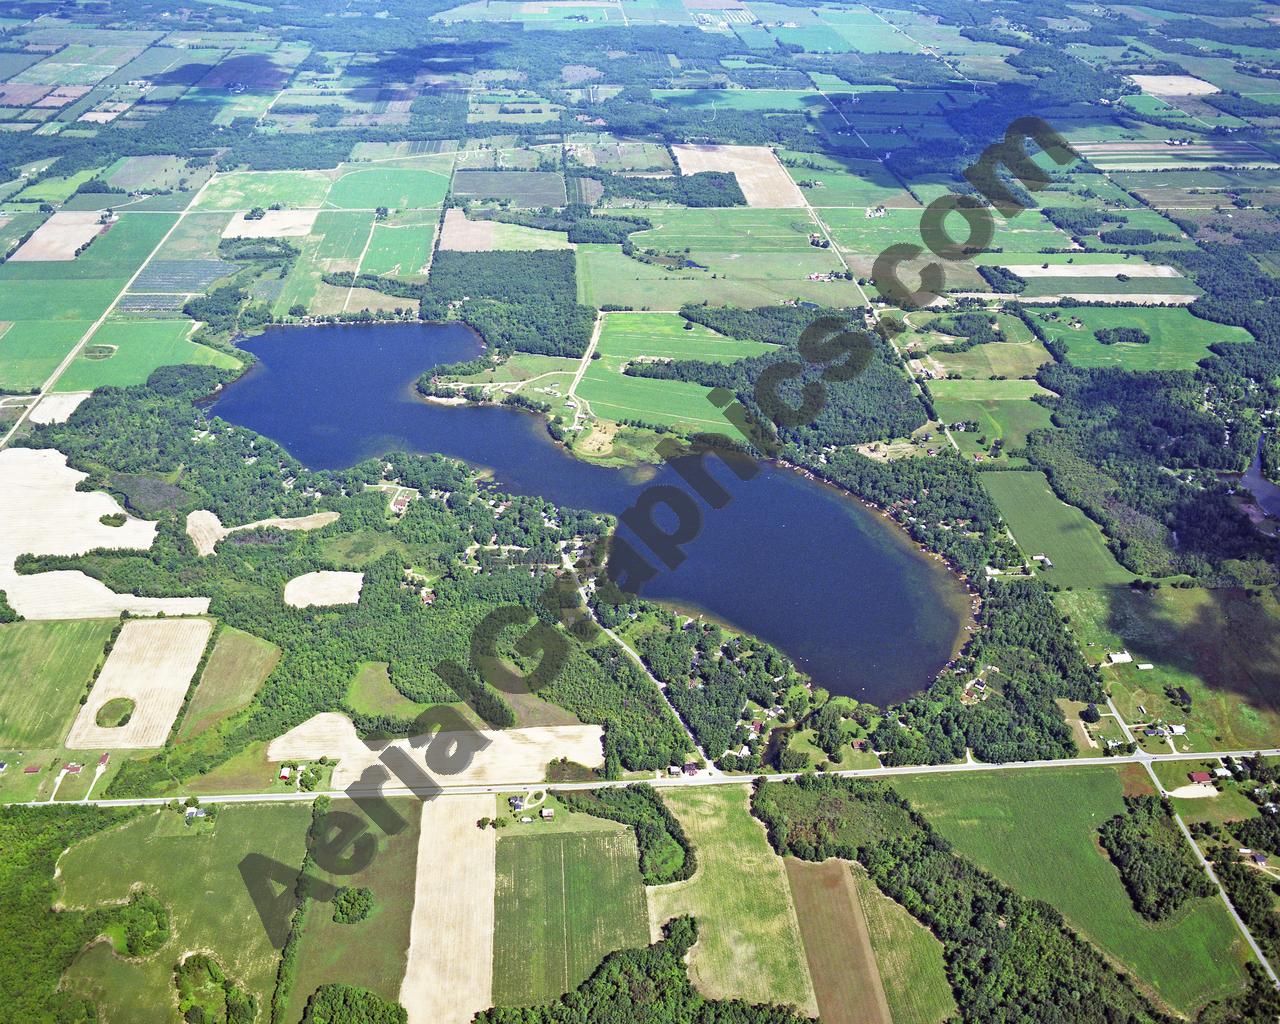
{"points": [[564, 901], [151, 664]]}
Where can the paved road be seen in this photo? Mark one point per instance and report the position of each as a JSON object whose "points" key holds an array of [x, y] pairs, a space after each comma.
{"points": [[702, 779]]}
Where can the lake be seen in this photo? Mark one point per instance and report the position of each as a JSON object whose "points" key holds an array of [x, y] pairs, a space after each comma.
{"points": [[844, 593]]}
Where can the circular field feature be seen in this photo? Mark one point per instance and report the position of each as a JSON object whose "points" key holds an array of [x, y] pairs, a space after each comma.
{"points": [[115, 713], [99, 351]]}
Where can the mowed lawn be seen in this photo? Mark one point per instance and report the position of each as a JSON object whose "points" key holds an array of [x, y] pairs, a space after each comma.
{"points": [[123, 352], [749, 943], [1044, 525], [1179, 339], [564, 901], [1036, 830], [239, 664], [369, 953], [196, 876], [44, 669]]}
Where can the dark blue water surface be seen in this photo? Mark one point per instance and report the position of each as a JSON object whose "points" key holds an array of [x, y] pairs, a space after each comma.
{"points": [[797, 563]]}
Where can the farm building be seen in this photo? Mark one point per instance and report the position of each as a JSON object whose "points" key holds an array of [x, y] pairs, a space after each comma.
{"points": [[1200, 778]]}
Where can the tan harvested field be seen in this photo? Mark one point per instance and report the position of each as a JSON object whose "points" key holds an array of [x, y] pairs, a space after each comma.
{"points": [[513, 755], [763, 180], [42, 513], [57, 408], [58, 238], [323, 588], [152, 664], [205, 529], [1093, 270], [449, 973], [274, 224], [1173, 85], [837, 943], [462, 235]]}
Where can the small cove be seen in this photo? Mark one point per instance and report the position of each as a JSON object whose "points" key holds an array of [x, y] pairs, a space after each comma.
{"points": [[801, 565]]}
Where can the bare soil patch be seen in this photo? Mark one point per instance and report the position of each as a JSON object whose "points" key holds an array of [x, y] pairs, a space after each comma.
{"points": [[837, 943], [1094, 270], [462, 235], [151, 664], [57, 408], [515, 756], [1173, 85], [58, 238], [449, 972], [273, 224], [205, 529], [763, 180], [42, 513], [323, 588]]}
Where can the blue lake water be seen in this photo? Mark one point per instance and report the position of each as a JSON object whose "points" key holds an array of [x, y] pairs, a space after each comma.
{"points": [[797, 563]]}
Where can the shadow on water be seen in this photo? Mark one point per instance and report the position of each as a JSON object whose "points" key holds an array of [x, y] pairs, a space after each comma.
{"points": [[800, 565]]}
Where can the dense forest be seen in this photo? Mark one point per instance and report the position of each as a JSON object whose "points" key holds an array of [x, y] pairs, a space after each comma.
{"points": [[1150, 853]]}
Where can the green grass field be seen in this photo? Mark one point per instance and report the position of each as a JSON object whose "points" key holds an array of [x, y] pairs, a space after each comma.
{"points": [[238, 666], [343, 235], [31, 350], [749, 943], [986, 390], [1223, 646], [372, 693], [908, 956], [399, 251], [195, 874], [563, 902], [744, 279], [1010, 420], [369, 953], [1178, 339], [139, 348], [395, 188], [1036, 831], [243, 190], [626, 337], [1044, 525], [44, 669]]}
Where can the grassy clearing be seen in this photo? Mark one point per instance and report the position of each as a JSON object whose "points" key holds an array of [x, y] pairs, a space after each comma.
{"points": [[122, 353], [194, 873], [369, 953], [239, 664], [44, 669], [909, 959], [749, 943], [1010, 421], [1178, 339], [372, 693], [1223, 646], [564, 901], [1036, 831], [1043, 525]]}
